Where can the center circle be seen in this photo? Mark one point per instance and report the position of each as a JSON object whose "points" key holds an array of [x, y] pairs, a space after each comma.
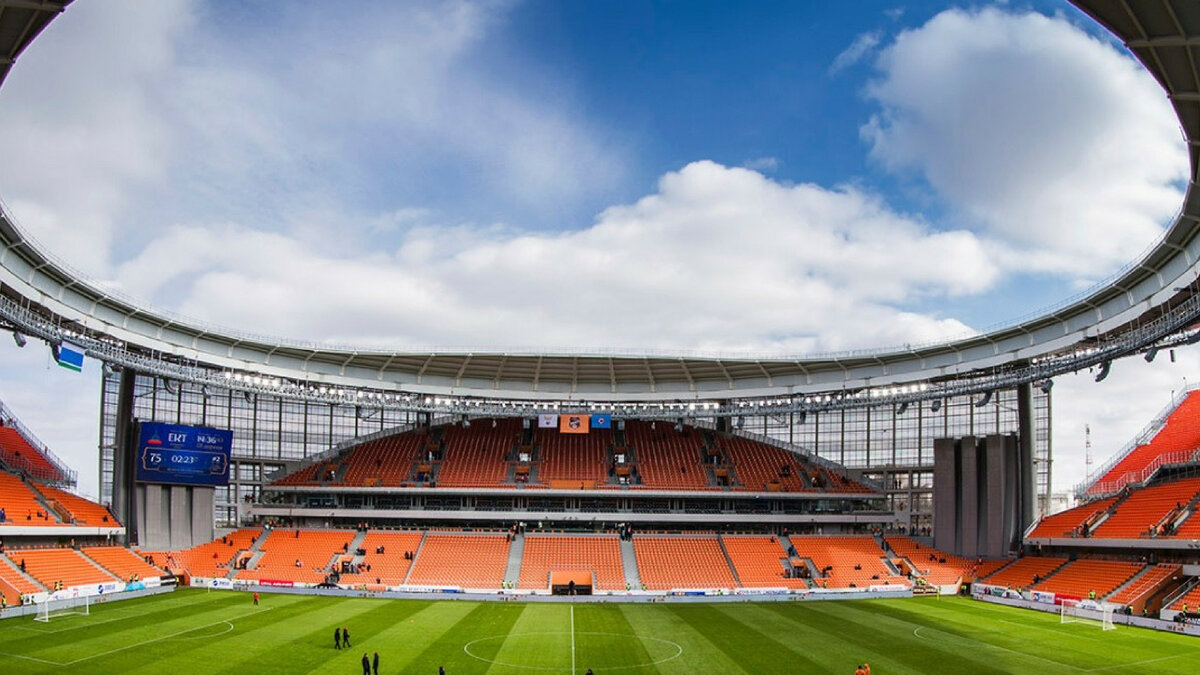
{"points": [[536, 643]]}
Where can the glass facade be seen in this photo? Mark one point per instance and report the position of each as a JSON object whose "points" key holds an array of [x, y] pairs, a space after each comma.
{"points": [[891, 444]]}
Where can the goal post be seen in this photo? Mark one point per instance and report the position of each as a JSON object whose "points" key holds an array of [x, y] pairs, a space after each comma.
{"points": [[1087, 611], [51, 608]]}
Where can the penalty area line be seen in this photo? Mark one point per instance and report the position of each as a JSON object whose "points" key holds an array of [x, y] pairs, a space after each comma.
{"points": [[161, 638]]}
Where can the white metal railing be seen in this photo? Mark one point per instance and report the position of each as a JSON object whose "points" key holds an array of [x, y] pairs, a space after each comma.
{"points": [[1110, 487], [1088, 485]]}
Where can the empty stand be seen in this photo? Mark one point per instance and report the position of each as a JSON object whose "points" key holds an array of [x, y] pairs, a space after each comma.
{"points": [[13, 584], [20, 503], [763, 467], [1080, 577], [299, 556], [568, 459], [19, 453], [1148, 583], [212, 559], [847, 562], [938, 568], [122, 562], [60, 564], [1021, 573], [1191, 600], [475, 456], [1068, 523], [1178, 439], [600, 555], [385, 461], [666, 562], [1145, 508], [667, 458], [389, 567], [79, 510], [758, 562], [466, 560]]}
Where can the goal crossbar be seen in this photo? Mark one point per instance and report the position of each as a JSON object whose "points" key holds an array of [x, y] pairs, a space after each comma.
{"points": [[52, 608], [1087, 611]]}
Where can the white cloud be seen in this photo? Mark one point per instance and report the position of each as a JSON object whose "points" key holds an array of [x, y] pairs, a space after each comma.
{"points": [[717, 258], [1045, 140], [762, 164], [862, 47]]}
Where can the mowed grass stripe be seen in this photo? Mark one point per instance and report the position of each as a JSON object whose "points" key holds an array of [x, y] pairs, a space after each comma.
{"points": [[898, 643], [699, 655], [308, 638], [399, 644], [750, 647], [127, 632], [148, 609], [539, 639], [484, 620], [609, 623]]}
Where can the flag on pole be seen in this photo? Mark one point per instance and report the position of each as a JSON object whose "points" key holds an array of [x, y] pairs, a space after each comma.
{"points": [[547, 421], [70, 356], [601, 421], [573, 424]]}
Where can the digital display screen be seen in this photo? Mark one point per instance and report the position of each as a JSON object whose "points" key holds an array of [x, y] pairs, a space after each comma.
{"points": [[183, 455]]}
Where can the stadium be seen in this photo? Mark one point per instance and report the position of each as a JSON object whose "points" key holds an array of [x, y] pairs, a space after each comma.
{"points": [[512, 511]]}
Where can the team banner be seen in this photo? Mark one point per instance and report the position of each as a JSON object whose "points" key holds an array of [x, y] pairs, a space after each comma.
{"points": [[601, 421], [547, 421], [573, 424]]}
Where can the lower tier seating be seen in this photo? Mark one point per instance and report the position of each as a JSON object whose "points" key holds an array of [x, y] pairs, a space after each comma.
{"points": [[846, 562], [600, 555], [65, 565], [1080, 578], [213, 559], [1147, 583], [758, 562], [668, 562], [300, 556], [122, 562], [13, 584], [937, 567], [1025, 572], [384, 562], [466, 560]]}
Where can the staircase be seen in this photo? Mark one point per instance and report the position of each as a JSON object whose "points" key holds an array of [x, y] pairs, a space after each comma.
{"points": [[629, 564], [1128, 582], [728, 560], [516, 551], [17, 569], [412, 565]]}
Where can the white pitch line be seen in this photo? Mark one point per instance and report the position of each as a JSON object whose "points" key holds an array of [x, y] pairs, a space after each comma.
{"points": [[139, 644], [572, 639]]}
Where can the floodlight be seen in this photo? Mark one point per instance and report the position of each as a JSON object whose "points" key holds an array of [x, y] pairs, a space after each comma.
{"points": [[935, 405], [984, 400], [1047, 385], [19, 339], [1151, 354], [803, 416], [902, 409], [1104, 370]]}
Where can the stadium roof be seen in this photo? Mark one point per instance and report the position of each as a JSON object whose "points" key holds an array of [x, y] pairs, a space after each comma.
{"points": [[1149, 304]]}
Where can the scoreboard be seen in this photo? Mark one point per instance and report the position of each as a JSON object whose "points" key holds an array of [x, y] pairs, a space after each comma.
{"points": [[183, 455]]}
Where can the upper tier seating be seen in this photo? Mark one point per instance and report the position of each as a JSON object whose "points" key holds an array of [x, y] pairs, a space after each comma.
{"points": [[573, 458], [214, 558], [82, 511], [1148, 582], [667, 458], [60, 564], [13, 584], [1067, 523], [1180, 434], [122, 562], [938, 568], [1080, 577], [758, 562], [384, 461], [314, 549], [600, 555], [666, 562], [18, 453], [762, 467], [20, 504], [464, 560], [475, 455], [1145, 508], [1021, 572], [390, 567], [849, 561]]}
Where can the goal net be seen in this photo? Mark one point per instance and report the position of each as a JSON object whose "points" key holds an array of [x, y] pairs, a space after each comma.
{"points": [[65, 607], [1087, 611]]}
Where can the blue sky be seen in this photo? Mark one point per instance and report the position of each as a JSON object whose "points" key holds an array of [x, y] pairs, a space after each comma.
{"points": [[778, 177]]}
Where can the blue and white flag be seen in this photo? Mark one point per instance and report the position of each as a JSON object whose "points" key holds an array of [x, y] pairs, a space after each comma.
{"points": [[70, 356], [601, 421]]}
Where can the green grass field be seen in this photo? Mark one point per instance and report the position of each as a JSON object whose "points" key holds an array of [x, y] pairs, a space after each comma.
{"points": [[193, 631]]}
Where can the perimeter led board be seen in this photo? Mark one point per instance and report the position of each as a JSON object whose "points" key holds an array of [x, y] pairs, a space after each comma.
{"points": [[182, 455]]}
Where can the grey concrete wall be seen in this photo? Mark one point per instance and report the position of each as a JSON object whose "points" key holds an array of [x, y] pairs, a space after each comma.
{"points": [[945, 495], [969, 497], [174, 516]]}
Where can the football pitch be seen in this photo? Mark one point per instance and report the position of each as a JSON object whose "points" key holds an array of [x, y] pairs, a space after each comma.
{"points": [[193, 631]]}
